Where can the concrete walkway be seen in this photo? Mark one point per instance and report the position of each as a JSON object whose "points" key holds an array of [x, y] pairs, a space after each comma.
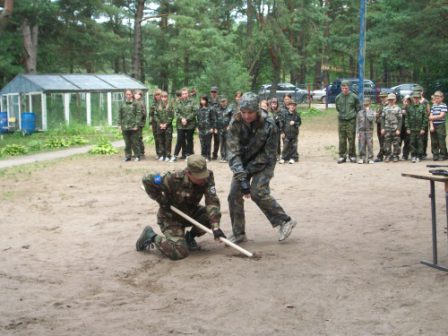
{"points": [[17, 161]]}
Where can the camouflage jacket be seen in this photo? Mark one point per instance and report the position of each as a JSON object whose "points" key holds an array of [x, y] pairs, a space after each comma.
{"points": [[391, 118], [128, 116], [206, 119], [277, 116], [379, 113], [141, 108], [416, 117], [163, 114], [223, 116], [251, 147], [347, 106], [152, 109], [290, 131], [185, 109], [175, 188], [365, 120]]}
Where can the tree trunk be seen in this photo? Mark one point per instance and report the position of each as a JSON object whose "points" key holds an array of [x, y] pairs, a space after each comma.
{"points": [[30, 41], [276, 68], [137, 52], [6, 13]]}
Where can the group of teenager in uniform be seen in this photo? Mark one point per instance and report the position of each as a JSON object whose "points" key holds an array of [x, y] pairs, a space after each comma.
{"points": [[401, 128]]}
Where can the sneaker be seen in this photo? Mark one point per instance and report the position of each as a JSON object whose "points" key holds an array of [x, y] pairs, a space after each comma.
{"points": [[237, 239], [352, 159], [342, 159], [137, 159], [292, 161], [191, 242], [127, 159], [173, 158], [371, 161], [360, 161], [145, 239], [378, 159], [167, 159], [387, 159], [161, 158], [418, 160], [281, 161], [285, 229], [395, 159], [414, 160]]}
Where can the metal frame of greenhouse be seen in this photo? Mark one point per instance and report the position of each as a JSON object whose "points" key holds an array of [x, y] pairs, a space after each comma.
{"points": [[66, 99]]}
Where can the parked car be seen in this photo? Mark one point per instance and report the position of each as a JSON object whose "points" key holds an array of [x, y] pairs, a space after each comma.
{"points": [[299, 95], [370, 89], [320, 95], [404, 90]]}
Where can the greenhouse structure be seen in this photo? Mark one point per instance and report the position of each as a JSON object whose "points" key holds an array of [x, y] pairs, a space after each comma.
{"points": [[65, 99]]}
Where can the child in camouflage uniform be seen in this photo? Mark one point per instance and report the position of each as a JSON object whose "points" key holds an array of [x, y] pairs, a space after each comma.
{"points": [[206, 125], [163, 118], [366, 118], [290, 123], [390, 128], [416, 125]]}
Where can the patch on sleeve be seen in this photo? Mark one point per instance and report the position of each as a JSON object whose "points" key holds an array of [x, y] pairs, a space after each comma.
{"points": [[212, 190]]}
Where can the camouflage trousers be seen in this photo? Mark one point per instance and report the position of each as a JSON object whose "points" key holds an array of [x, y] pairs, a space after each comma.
{"points": [[380, 141], [154, 134], [164, 139], [365, 139], [205, 139], [416, 144], [140, 140], [391, 144], [131, 143], [261, 195], [438, 141], [290, 148], [216, 139], [223, 143], [347, 133], [173, 244]]}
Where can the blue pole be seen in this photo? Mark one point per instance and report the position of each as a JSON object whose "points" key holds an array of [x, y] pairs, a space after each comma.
{"points": [[362, 48]]}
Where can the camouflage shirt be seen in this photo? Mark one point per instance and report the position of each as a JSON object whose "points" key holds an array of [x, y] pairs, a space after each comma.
{"points": [[206, 119], [347, 106], [141, 108], [391, 118], [175, 188], [163, 114], [223, 116], [365, 120], [251, 147], [185, 109], [128, 116], [416, 117]]}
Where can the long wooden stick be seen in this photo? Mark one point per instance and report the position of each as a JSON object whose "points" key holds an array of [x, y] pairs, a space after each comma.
{"points": [[206, 229]]}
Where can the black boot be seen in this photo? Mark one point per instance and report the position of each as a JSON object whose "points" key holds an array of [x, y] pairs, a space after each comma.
{"points": [[146, 239], [191, 242]]}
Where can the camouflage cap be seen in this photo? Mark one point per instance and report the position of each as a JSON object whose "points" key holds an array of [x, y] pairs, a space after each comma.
{"points": [[418, 88], [214, 89], [249, 101], [197, 166], [391, 96], [367, 101], [223, 98], [383, 94], [416, 94], [292, 102]]}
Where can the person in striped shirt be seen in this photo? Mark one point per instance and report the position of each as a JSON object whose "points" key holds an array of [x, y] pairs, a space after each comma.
{"points": [[438, 127]]}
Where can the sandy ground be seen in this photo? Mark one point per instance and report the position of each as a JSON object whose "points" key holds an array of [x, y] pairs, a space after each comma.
{"points": [[68, 264]]}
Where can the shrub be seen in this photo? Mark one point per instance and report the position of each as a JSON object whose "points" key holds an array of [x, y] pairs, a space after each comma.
{"points": [[13, 150]]}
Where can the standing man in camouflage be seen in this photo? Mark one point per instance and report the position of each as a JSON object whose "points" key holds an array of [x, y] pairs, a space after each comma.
{"points": [[141, 108], [185, 112], [391, 129], [416, 125], [164, 116], [129, 120], [251, 151], [152, 110], [223, 116], [213, 101], [379, 111], [183, 189], [347, 105]]}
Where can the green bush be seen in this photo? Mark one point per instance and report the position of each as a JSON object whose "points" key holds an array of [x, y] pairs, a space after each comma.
{"points": [[104, 147], [13, 150], [78, 140], [57, 142]]}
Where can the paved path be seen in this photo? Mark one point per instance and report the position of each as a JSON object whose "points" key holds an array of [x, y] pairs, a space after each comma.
{"points": [[17, 161]]}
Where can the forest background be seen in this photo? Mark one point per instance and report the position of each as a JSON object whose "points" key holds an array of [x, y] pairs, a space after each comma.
{"points": [[237, 45]]}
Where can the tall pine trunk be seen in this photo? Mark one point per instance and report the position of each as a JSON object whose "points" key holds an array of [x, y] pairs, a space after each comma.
{"points": [[137, 52], [30, 42]]}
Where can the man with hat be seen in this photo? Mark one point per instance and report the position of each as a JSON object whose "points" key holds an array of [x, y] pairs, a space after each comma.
{"points": [[289, 132], [251, 152], [347, 105], [213, 102], [416, 125], [378, 114], [390, 129], [184, 190]]}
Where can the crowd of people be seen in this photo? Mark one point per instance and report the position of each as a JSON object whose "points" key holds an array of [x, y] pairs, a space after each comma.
{"points": [[401, 129], [209, 114]]}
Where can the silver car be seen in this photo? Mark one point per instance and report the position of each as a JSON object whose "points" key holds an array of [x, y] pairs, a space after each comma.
{"points": [[299, 95]]}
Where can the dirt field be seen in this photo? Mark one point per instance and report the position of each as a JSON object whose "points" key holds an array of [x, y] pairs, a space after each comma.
{"points": [[68, 264]]}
